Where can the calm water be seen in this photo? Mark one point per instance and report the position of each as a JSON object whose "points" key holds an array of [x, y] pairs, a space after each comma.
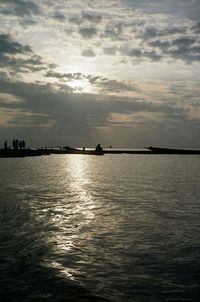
{"points": [[119, 227]]}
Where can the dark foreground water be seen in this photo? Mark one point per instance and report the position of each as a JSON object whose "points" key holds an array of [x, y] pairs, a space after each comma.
{"points": [[114, 227]]}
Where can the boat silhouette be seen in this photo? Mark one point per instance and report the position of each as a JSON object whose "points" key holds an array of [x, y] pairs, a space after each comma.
{"points": [[70, 150]]}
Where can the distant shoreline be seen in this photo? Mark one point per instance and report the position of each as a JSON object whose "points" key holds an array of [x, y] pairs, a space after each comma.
{"points": [[68, 150]]}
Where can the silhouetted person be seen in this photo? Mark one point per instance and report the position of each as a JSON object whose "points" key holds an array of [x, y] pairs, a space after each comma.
{"points": [[98, 148], [14, 144], [6, 145], [20, 145], [23, 144]]}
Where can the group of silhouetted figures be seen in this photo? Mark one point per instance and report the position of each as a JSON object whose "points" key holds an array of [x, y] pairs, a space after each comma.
{"points": [[16, 144]]}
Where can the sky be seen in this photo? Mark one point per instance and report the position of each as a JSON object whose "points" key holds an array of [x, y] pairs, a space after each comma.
{"points": [[123, 73]]}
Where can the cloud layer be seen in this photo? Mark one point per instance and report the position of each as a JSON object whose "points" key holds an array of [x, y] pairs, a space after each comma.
{"points": [[121, 72]]}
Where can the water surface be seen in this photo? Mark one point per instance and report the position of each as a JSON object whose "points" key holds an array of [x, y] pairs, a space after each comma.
{"points": [[119, 227]]}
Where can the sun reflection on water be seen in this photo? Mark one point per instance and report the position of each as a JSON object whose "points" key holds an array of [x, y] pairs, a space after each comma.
{"points": [[73, 211], [84, 203]]}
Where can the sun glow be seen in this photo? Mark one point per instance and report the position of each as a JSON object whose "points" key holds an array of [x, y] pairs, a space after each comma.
{"points": [[82, 85]]}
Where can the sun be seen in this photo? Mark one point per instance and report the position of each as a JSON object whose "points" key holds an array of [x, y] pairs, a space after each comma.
{"points": [[82, 85], [78, 75]]}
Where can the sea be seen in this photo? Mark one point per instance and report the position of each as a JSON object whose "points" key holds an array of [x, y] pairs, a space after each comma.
{"points": [[117, 227]]}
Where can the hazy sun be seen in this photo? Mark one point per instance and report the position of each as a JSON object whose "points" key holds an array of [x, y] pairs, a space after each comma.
{"points": [[82, 85]]}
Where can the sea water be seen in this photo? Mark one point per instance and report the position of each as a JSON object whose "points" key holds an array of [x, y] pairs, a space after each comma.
{"points": [[88, 228]]}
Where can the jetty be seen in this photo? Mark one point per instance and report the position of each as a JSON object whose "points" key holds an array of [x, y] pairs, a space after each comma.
{"points": [[144, 151], [98, 152], [23, 152], [160, 150]]}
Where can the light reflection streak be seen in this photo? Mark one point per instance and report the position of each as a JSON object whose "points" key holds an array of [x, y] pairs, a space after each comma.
{"points": [[84, 202], [73, 211], [66, 272]]}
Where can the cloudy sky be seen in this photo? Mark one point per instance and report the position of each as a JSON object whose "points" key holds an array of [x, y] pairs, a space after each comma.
{"points": [[124, 73]]}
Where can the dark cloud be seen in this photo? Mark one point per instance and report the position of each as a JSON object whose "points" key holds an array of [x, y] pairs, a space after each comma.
{"points": [[114, 86], [21, 8], [27, 119], [8, 46], [76, 20], [104, 84], [88, 53], [3, 74], [149, 32], [152, 32], [196, 27], [93, 79], [88, 32], [27, 22], [26, 8], [54, 99], [15, 57], [69, 31], [23, 65], [141, 54], [66, 76], [160, 44], [135, 52], [170, 43], [109, 33], [93, 18], [110, 51], [179, 8], [69, 77], [152, 55], [114, 32], [183, 42], [183, 48], [51, 114], [59, 16]]}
